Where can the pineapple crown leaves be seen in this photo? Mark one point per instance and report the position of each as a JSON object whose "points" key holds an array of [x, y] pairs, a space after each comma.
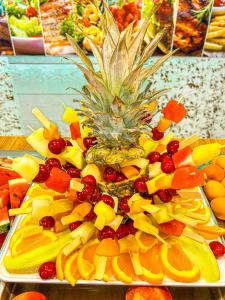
{"points": [[114, 97]]}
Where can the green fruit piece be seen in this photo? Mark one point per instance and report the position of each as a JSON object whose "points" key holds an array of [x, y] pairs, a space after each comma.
{"points": [[202, 256]]}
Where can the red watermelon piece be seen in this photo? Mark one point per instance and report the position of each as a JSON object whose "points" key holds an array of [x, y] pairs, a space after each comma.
{"points": [[187, 178], [4, 220], [6, 175], [4, 197], [2, 238], [183, 158], [58, 180], [174, 111], [17, 189]]}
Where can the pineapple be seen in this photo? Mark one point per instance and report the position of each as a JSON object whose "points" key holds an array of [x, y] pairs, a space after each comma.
{"points": [[115, 99]]}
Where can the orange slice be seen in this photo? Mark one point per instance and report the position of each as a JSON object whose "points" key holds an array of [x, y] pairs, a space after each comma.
{"points": [[108, 247], [177, 265], [123, 268], [85, 259], [70, 270], [25, 231], [145, 241], [60, 264], [152, 268]]}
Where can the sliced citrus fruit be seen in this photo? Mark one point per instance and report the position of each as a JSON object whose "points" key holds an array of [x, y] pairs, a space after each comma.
{"points": [[24, 231], [177, 265], [152, 268], [108, 270], [23, 245], [192, 206], [148, 293], [210, 232], [27, 220], [60, 265], [85, 259], [145, 241], [123, 268], [108, 247], [70, 270]]}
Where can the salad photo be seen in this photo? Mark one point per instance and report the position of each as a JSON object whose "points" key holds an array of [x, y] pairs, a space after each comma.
{"points": [[25, 26], [5, 40], [162, 19]]}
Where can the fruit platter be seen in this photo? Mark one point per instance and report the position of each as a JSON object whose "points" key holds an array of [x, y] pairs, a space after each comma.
{"points": [[120, 200]]}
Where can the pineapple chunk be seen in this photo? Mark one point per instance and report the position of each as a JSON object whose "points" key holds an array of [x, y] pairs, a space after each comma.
{"points": [[116, 222], [151, 184], [100, 266], [162, 214], [154, 169], [70, 115], [138, 162], [134, 198], [61, 206], [85, 231], [71, 247], [19, 211], [137, 206], [105, 214], [76, 185], [92, 169], [41, 208], [38, 142], [26, 167], [128, 244], [149, 146], [70, 219], [74, 156]]}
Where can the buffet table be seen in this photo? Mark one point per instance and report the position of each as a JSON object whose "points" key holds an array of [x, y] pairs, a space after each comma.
{"points": [[55, 292]]}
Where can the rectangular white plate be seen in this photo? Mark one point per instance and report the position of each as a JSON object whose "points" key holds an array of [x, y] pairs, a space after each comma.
{"points": [[34, 278]]}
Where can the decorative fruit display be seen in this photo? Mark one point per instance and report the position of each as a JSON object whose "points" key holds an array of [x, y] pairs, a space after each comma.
{"points": [[215, 186], [130, 210]]}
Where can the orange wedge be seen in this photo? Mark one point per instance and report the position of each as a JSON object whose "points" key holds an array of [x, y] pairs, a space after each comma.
{"points": [[210, 232], [152, 268], [23, 245], [145, 241], [108, 247], [60, 264], [123, 268], [85, 259], [70, 270], [108, 270], [177, 265], [25, 231]]}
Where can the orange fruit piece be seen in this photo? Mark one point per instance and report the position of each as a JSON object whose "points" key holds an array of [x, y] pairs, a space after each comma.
{"points": [[32, 295], [164, 124], [145, 241], [60, 264], [130, 171], [214, 172], [218, 207], [177, 265], [108, 247], [70, 269], [148, 293], [214, 189], [220, 161], [85, 259], [152, 268], [123, 269]]}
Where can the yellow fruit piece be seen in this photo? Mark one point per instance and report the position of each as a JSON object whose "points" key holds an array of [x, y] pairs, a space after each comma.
{"points": [[66, 220], [130, 171], [74, 155], [149, 146], [71, 247], [164, 182], [100, 263], [19, 211], [105, 214], [26, 167], [18, 233], [61, 206], [223, 182], [138, 206], [213, 229], [122, 268], [145, 241], [70, 115], [27, 220], [220, 161], [214, 189], [60, 265], [70, 270], [116, 222], [151, 184], [38, 142], [108, 247], [218, 207], [135, 259], [154, 169], [85, 232], [76, 185], [85, 259], [92, 169], [177, 265], [128, 244], [204, 153], [141, 163], [29, 262], [164, 124]]}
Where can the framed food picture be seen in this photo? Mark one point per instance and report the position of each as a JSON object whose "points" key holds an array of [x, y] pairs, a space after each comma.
{"points": [[5, 40]]}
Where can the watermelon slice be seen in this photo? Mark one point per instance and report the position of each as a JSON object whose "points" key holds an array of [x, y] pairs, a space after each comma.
{"points": [[2, 238], [4, 197], [4, 220], [187, 178], [183, 158], [6, 175], [17, 189], [174, 111]]}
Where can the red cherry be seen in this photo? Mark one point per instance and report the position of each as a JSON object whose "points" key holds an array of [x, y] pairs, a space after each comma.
{"points": [[42, 175], [147, 196], [217, 248], [47, 222], [68, 143], [89, 142], [109, 174], [47, 270], [130, 224], [157, 135], [165, 195], [74, 225], [122, 231], [68, 165], [165, 156], [73, 172], [147, 118], [123, 204], [120, 177], [86, 193], [154, 157], [56, 146], [167, 166], [89, 179], [172, 147], [90, 216], [96, 195], [105, 233], [53, 163], [140, 185], [108, 200]]}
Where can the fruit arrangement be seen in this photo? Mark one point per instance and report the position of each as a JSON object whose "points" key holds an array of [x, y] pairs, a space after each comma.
{"points": [[119, 200], [215, 186]]}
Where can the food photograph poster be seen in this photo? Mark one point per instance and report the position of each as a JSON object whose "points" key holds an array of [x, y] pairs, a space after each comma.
{"points": [[33, 27]]}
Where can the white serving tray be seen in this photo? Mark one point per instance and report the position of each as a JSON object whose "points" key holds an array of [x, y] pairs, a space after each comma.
{"points": [[34, 278]]}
